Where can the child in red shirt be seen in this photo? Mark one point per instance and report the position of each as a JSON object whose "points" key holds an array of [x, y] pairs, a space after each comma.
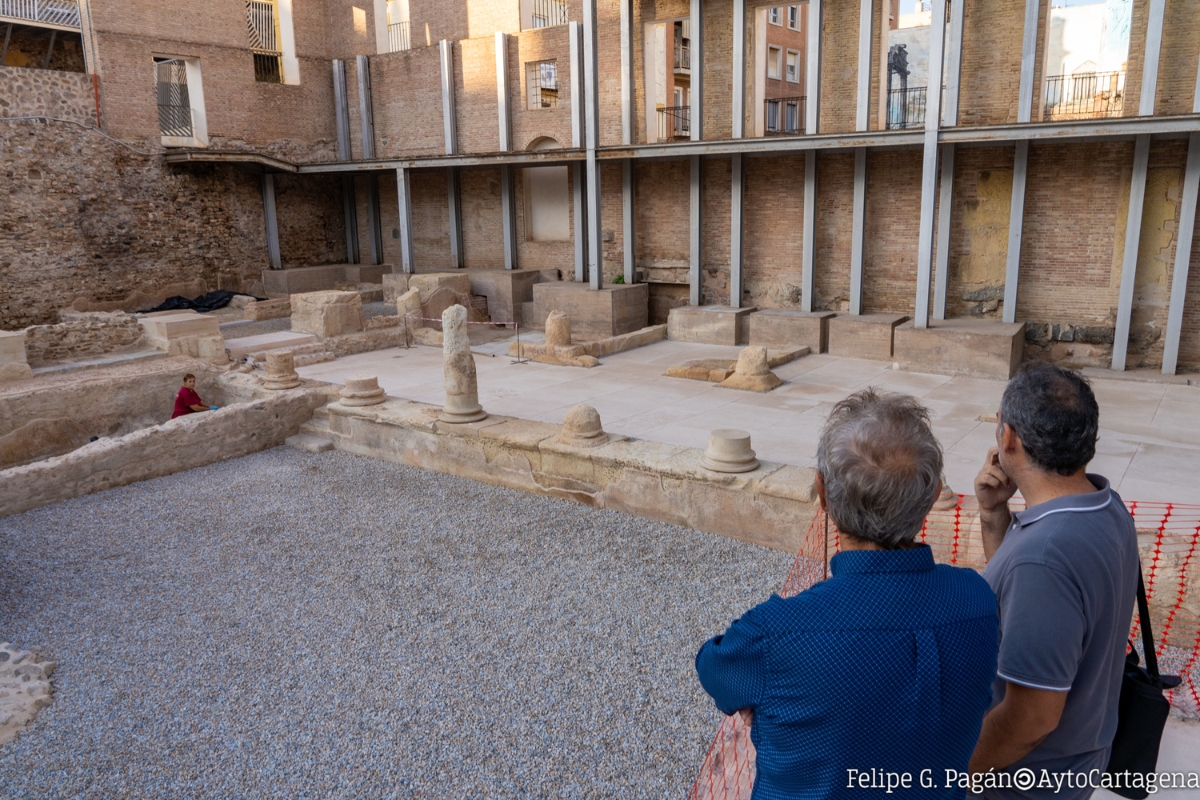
{"points": [[187, 401]]}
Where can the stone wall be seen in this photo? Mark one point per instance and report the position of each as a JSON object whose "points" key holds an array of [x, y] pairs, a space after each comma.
{"points": [[42, 92], [28, 49], [81, 334]]}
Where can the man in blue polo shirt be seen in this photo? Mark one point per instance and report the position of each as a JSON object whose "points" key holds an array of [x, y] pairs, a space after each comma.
{"points": [[888, 664], [1065, 572]]}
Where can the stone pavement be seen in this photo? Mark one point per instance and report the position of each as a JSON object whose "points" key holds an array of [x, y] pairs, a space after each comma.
{"points": [[1149, 441]]}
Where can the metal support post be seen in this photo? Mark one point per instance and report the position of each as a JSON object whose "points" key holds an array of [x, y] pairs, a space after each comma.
{"points": [[629, 220], [954, 64], [49, 50], [268, 190], [591, 94], [929, 176], [508, 212], [735, 233], [341, 109], [739, 69], [941, 277], [1183, 254], [1016, 221], [579, 196], [503, 103], [694, 237], [350, 211], [1154, 32], [363, 67], [404, 203], [1028, 61], [449, 127], [455, 203], [696, 24], [4, 49], [812, 71], [627, 87], [866, 16], [374, 224], [578, 172], [857, 230], [808, 256], [1133, 231]]}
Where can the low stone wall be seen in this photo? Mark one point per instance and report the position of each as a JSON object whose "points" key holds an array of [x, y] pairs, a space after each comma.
{"points": [[771, 506], [81, 334], [179, 444]]}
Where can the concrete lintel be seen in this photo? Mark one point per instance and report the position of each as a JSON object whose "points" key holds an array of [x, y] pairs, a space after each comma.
{"points": [[1016, 221], [362, 66], [857, 230], [736, 212], [1183, 254], [404, 203], [272, 221], [629, 221], [808, 254], [695, 240], [1133, 230], [449, 126]]}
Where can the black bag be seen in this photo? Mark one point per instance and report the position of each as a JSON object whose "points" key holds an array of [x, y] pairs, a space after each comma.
{"points": [[1142, 711]]}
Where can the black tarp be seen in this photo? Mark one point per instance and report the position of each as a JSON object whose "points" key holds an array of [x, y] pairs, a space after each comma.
{"points": [[205, 302]]}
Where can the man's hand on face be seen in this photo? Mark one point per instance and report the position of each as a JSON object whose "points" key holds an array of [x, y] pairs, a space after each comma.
{"points": [[993, 487]]}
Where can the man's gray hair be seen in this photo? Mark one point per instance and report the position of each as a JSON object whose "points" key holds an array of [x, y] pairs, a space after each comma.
{"points": [[882, 467]]}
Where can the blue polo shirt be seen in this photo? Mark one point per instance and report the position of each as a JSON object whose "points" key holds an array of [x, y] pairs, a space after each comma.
{"points": [[888, 664]]}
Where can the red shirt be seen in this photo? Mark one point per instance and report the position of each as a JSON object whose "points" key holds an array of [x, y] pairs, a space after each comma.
{"points": [[184, 402]]}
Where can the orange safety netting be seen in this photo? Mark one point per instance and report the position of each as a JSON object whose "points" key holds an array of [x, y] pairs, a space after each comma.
{"points": [[1168, 535]]}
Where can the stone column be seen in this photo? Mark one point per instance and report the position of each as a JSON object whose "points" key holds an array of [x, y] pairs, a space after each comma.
{"points": [[462, 387], [361, 390], [558, 330], [281, 370]]}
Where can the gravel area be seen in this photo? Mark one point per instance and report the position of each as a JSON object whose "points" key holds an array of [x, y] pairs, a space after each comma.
{"points": [[242, 328], [299, 625], [379, 309]]}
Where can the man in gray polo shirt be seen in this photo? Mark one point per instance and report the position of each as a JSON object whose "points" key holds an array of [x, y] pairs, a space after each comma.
{"points": [[1065, 573]]}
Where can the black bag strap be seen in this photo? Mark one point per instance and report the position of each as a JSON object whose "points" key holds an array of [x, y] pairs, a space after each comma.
{"points": [[1147, 634]]}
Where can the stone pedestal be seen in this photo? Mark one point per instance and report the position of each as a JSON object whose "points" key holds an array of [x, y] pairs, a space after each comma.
{"points": [[753, 372], [327, 313], [581, 428], [863, 335], [709, 324], [185, 333], [595, 314], [361, 390], [558, 330], [13, 363], [729, 451], [783, 329], [462, 387], [281, 371], [971, 347]]}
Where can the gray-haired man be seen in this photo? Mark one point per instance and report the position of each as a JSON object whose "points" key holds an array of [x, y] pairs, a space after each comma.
{"points": [[1065, 572]]}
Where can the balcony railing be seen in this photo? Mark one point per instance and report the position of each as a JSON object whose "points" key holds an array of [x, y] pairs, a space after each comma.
{"points": [[785, 116], [52, 12], [674, 122], [398, 37], [683, 56], [1085, 95], [174, 103], [906, 108], [548, 13]]}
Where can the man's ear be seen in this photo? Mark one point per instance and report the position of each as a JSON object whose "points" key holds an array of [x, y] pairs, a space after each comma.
{"points": [[819, 484]]}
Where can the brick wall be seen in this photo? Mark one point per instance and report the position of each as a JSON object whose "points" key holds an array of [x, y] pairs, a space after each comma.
{"points": [[661, 209], [835, 204], [430, 221], [717, 62], [890, 234], [991, 65], [1180, 49], [612, 230], [529, 125], [1189, 340], [81, 334], [839, 66], [542, 255], [483, 229], [476, 113], [773, 227], [714, 240], [407, 105], [979, 231]]}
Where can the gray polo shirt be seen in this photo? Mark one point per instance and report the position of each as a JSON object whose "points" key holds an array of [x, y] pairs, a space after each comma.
{"points": [[1066, 580]]}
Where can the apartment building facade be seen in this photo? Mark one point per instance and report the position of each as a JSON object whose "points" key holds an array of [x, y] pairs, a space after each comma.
{"points": [[1034, 187]]}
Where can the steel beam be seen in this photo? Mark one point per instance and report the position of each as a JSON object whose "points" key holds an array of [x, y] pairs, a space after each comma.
{"points": [[929, 167], [1133, 231], [739, 69], [629, 220], [449, 126], [1154, 32], [374, 224], [503, 101], [866, 17], [857, 230], [809, 252], [50, 49], [4, 49], [362, 66], [350, 211], [1016, 221], [812, 77], [404, 204], [272, 221], [1183, 254], [341, 109], [508, 213], [591, 94], [454, 198], [953, 78], [945, 212], [627, 84], [695, 240], [1028, 61], [736, 219], [696, 23]]}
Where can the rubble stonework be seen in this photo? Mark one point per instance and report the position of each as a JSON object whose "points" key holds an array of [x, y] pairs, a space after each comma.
{"points": [[24, 688], [82, 334]]}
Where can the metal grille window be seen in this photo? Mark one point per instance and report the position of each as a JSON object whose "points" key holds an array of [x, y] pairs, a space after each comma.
{"points": [[1085, 95], [547, 13], [55, 12], [263, 32], [906, 108], [398, 36], [785, 115], [174, 104], [541, 78], [674, 122]]}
